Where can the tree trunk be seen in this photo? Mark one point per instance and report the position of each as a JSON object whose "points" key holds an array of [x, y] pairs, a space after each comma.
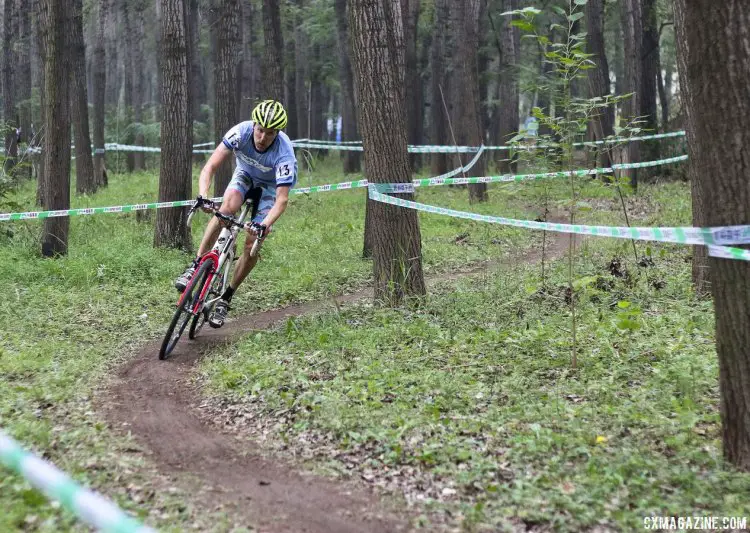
{"points": [[225, 69], [139, 158], [598, 79], [290, 81], [650, 56], [438, 119], [23, 75], [410, 17], [352, 161], [176, 141], [507, 115], [112, 44], [59, 26], [41, 38], [127, 40], [9, 87], [301, 62], [376, 36], [273, 71], [469, 124], [714, 69], [248, 60], [100, 84], [85, 183], [633, 51], [197, 83]]}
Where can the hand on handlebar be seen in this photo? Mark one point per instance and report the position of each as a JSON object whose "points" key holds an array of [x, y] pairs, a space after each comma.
{"points": [[206, 205], [259, 229]]}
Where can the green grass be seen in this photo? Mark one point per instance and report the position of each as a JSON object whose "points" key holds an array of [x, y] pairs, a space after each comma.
{"points": [[68, 322], [471, 402]]}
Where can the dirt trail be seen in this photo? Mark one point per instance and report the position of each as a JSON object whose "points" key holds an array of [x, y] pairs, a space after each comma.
{"points": [[152, 399]]}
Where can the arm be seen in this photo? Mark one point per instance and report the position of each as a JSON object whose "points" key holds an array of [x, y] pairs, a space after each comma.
{"points": [[282, 199], [220, 155]]}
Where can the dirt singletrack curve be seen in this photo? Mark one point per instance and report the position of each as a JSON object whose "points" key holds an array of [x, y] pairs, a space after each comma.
{"points": [[152, 400]]}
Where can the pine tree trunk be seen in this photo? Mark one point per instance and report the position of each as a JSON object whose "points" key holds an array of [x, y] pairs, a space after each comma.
{"points": [[23, 76], [112, 94], [714, 70], [100, 83], [507, 116], [376, 42], [59, 27], [352, 161], [225, 69], [176, 140], [9, 87], [647, 98], [248, 60], [41, 39], [290, 82], [273, 72], [438, 119], [127, 37], [410, 17], [633, 50], [598, 78], [138, 14], [85, 183], [468, 123], [301, 61]]}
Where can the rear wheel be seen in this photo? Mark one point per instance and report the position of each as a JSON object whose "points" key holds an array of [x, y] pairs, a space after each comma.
{"points": [[182, 314]]}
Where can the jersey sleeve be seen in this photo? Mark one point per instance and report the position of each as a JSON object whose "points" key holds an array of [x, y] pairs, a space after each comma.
{"points": [[238, 136], [286, 172]]}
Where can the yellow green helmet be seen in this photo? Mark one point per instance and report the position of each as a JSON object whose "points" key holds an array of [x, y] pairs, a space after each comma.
{"points": [[270, 114]]}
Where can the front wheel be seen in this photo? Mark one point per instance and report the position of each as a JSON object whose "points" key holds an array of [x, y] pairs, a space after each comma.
{"points": [[185, 308]]}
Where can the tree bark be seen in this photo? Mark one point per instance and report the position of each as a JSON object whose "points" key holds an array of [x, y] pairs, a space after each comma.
{"points": [[248, 61], [9, 87], [100, 84], [290, 80], [23, 75], [714, 68], [468, 123], [438, 119], [633, 51], [85, 183], [225, 69], [301, 61], [410, 17], [41, 39], [352, 160], [126, 12], [598, 79], [59, 26], [376, 42], [273, 71], [137, 14], [647, 98], [176, 141], [507, 112]]}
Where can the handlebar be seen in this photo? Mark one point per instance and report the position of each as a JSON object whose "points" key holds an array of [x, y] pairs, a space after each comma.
{"points": [[205, 202]]}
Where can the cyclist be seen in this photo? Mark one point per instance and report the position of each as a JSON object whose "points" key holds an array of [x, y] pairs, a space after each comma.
{"points": [[266, 171]]}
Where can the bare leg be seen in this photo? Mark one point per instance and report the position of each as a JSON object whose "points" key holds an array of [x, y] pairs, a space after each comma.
{"points": [[229, 206], [245, 263]]}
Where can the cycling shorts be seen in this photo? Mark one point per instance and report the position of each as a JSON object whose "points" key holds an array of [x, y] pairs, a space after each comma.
{"points": [[263, 195]]}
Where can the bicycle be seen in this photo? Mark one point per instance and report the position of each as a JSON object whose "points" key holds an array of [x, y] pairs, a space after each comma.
{"points": [[211, 277]]}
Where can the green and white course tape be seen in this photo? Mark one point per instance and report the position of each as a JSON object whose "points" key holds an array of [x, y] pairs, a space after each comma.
{"points": [[443, 179], [682, 235], [728, 252], [90, 507]]}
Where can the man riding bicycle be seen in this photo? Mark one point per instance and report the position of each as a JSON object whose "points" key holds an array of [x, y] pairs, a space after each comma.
{"points": [[266, 171]]}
